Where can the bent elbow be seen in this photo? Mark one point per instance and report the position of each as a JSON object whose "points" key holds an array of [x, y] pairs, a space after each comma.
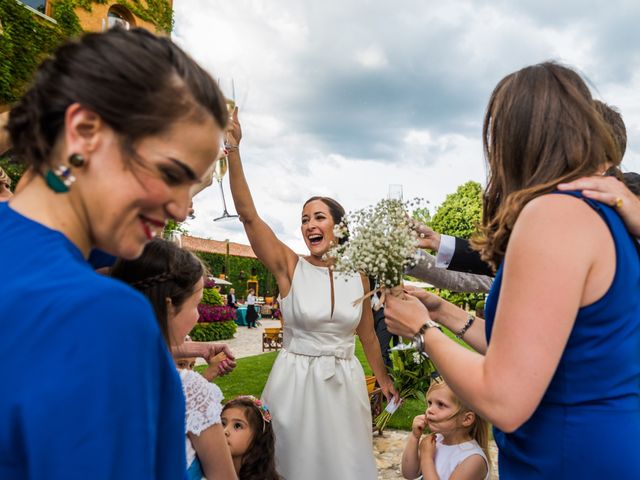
{"points": [[511, 420]]}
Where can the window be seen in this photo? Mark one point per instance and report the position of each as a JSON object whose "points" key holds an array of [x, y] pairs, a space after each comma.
{"points": [[118, 16], [39, 5]]}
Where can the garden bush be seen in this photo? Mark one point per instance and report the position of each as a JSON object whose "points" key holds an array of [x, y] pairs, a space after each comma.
{"points": [[211, 296], [209, 332]]}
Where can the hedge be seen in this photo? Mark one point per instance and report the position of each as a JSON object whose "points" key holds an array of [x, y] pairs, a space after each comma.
{"points": [[209, 332]]}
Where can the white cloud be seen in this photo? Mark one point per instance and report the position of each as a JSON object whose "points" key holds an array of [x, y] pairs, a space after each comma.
{"points": [[343, 98], [372, 58]]}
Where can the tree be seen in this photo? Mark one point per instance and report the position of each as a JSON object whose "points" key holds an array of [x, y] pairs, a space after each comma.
{"points": [[461, 212], [459, 216]]}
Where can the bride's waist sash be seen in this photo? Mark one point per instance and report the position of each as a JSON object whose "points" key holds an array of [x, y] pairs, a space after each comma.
{"points": [[323, 346]]}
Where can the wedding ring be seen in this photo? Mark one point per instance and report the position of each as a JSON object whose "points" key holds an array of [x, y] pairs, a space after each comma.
{"points": [[618, 202]]}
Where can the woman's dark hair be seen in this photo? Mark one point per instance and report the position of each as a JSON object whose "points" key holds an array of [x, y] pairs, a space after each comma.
{"points": [[163, 271], [258, 463], [138, 83], [541, 128], [335, 210]]}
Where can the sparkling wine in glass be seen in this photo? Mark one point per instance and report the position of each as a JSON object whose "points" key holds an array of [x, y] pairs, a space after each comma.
{"points": [[395, 192]]}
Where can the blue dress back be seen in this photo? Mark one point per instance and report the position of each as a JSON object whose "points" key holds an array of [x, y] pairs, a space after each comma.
{"points": [[587, 425]]}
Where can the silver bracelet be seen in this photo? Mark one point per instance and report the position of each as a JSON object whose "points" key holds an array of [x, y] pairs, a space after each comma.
{"points": [[466, 327]]}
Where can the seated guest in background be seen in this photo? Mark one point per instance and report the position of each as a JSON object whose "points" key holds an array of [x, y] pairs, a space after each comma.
{"points": [[231, 298]]}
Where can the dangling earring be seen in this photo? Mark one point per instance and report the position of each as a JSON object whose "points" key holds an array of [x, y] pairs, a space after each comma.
{"points": [[60, 178]]}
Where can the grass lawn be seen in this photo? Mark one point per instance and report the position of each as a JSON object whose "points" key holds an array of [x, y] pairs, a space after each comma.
{"points": [[251, 375]]}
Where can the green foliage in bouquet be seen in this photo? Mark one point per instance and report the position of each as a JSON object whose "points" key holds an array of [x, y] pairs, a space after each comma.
{"points": [[411, 373], [209, 332]]}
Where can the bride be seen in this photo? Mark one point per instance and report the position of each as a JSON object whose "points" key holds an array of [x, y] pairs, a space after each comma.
{"points": [[316, 390]]}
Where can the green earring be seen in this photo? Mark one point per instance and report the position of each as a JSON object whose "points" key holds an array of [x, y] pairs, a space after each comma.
{"points": [[60, 178]]}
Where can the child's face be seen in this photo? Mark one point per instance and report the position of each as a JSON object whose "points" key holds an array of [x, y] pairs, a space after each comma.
{"points": [[441, 406], [237, 431], [186, 363]]}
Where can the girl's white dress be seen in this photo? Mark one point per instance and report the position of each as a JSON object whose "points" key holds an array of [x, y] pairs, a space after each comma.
{"points": [[448, 457], [316, 390], [203, 409]]}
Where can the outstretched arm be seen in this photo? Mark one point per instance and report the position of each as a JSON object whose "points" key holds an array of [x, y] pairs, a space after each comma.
{"points": [[276, 256]]}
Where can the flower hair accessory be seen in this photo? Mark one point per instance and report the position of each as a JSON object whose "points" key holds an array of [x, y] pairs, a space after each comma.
{"points": [[261, 406]]}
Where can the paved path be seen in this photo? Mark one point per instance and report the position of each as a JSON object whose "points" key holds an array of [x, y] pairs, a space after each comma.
{"points": [[387, 449]]}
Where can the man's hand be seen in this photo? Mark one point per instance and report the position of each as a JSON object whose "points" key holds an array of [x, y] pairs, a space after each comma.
{"points": [[427, 238]]}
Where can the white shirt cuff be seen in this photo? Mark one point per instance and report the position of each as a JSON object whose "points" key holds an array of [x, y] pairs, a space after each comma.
{"points": [[446, 251]]}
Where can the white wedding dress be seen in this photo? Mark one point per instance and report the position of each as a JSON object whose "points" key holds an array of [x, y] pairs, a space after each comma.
{"points": [[316, 390]]}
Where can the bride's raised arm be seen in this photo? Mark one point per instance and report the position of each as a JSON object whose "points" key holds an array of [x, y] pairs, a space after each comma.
{"points": [[276, 256]]}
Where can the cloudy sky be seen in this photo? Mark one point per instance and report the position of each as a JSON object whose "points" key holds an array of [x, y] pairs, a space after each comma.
{"points": [[344, 98]]}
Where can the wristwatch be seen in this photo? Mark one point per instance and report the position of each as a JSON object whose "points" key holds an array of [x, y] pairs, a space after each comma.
{"points": [[418, 338]]}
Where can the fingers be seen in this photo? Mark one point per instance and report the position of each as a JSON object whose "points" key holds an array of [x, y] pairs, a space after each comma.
{"points": [[227, 351], [597, 183]]}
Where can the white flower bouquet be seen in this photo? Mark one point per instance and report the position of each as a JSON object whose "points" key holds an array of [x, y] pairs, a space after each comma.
{"points": [[378, 241]]}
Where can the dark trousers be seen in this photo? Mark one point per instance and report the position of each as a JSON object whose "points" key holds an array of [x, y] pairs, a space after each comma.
{"points": [[252, 316], [384, 337]]}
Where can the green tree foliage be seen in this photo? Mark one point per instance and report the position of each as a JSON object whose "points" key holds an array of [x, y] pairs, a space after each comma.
{"points": [[422, 215], [173, 226], [459, 216], [461, 212]]}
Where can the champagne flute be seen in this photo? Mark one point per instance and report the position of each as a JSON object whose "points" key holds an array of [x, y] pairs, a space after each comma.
{"points": [[395, 192], [221, 166]]}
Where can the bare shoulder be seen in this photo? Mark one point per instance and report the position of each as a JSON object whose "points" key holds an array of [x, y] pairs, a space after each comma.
{"points": [[552, 213]]}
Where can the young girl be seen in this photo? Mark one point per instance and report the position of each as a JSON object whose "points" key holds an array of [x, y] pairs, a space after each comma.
{"points": [[172, 279], [247, 426], [457, 445]]}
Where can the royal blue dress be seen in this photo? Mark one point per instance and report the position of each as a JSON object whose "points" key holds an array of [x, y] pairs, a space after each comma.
{"points": [[587, 425], [89, 389]]}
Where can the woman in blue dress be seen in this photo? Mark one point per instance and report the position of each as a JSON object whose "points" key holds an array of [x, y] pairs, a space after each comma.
{"points": [[116, 129], [558, 370]]}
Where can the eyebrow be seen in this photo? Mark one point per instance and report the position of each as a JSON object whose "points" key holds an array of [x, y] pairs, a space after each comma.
{"points": [[187, 171], [238, 420]]}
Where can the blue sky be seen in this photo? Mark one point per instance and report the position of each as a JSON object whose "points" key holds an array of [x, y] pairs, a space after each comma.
{"points": [[343, 98]]}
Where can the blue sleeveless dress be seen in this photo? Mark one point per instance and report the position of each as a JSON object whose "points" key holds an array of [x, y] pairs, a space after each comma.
{"points": [[588, 422]]}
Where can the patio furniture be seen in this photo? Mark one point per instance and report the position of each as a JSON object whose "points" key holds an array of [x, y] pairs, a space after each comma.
{"points": [[271, 339]]}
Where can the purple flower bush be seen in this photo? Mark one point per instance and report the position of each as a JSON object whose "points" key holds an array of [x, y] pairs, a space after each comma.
{"points": [[215, 313]]}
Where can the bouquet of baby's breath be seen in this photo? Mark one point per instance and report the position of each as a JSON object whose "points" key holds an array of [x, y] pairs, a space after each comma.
{"points": [[411, 372], [378, 241]]}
